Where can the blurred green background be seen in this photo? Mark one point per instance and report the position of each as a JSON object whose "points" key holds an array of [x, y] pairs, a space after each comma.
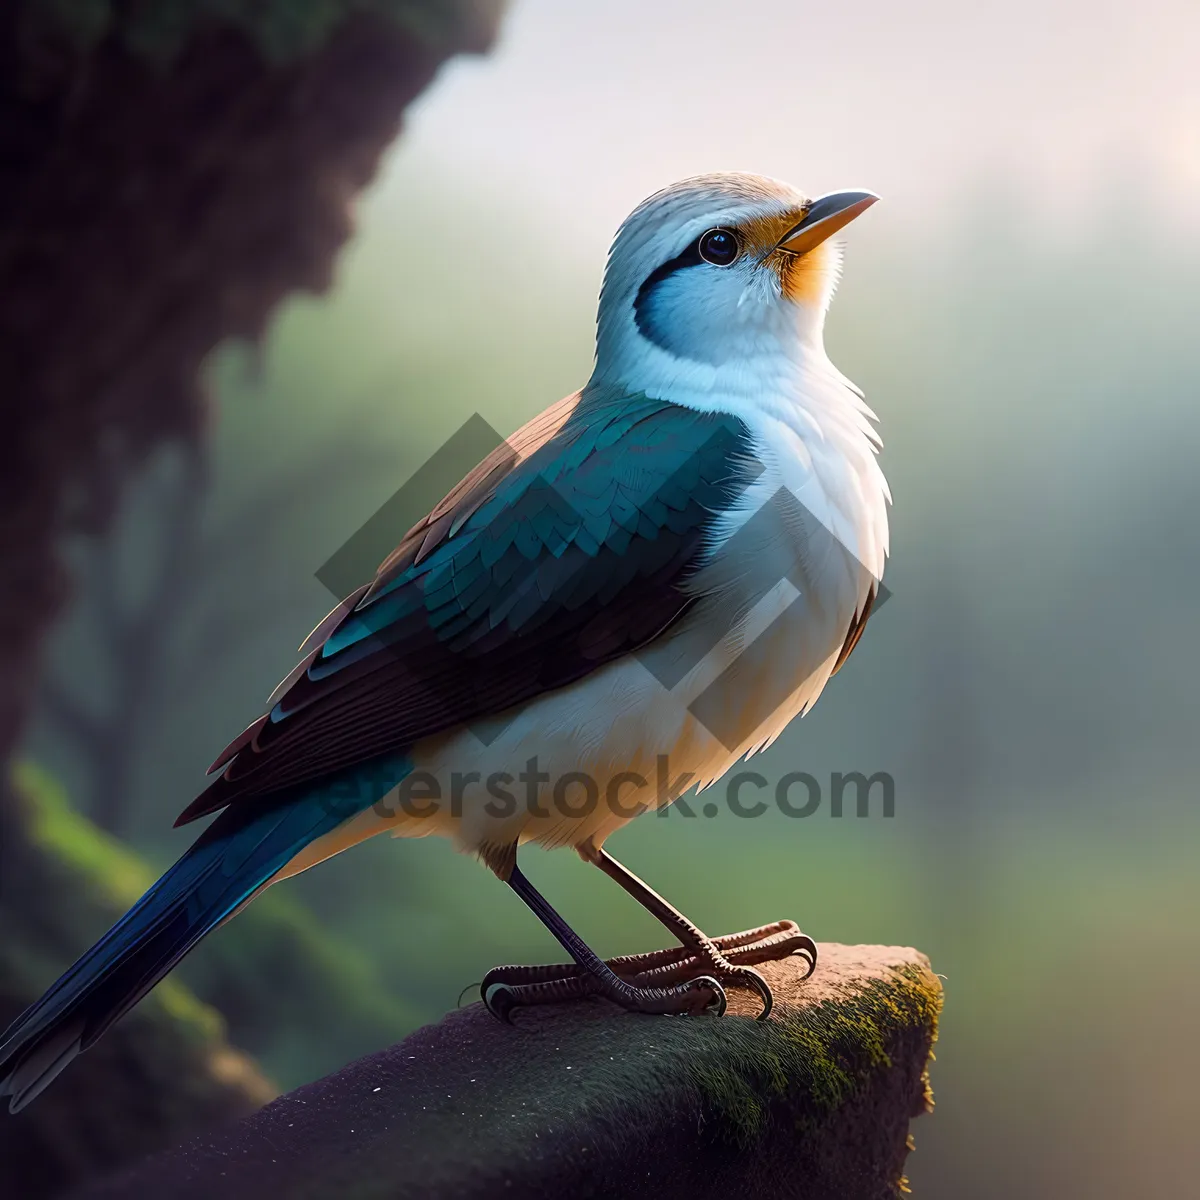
{"points": [[1022, 312]]}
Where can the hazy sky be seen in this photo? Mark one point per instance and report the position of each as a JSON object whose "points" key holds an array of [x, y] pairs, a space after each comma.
{"points": [[583, 108]]}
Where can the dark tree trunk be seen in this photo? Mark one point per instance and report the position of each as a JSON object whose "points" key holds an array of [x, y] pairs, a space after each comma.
{"points": [[149, 209], [154, 200]]}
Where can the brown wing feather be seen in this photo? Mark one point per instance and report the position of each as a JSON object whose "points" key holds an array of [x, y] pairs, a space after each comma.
{"points": [[377, 699], [855, 632], [455, 507], [471, 491]]}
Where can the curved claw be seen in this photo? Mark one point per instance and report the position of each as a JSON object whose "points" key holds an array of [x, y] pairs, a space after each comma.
{"points": [[808, 948], [719, 1002], [499, 999], [763, 988]]}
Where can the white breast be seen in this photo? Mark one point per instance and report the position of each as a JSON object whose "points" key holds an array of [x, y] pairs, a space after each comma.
{"points": [[798, 556], [792, 565]]}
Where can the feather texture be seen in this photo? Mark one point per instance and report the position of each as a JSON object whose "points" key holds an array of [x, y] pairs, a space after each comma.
{"points": [[673, 560], [566, 550]]}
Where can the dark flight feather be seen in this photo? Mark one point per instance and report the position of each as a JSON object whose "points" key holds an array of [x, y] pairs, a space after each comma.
{"points": [[563, 550], [855, 632]]}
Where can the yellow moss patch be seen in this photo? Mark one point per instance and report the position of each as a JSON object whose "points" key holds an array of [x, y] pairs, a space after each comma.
{"points": [[821, 1055]]}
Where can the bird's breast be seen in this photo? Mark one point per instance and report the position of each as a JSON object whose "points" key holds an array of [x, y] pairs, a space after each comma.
{"points": [[783, 579]]}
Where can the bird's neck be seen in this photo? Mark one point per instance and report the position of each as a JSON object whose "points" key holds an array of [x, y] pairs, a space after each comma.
{"points": [[803, 415], [790, 380]]}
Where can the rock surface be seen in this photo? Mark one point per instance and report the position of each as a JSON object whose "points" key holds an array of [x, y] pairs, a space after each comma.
{"points": [[583, 1100]]}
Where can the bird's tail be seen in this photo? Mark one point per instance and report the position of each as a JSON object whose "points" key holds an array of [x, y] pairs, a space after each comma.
{"points": [[233, 860]]}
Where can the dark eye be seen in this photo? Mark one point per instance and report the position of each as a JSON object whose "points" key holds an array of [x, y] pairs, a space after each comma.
{"points": [[719, 247]]}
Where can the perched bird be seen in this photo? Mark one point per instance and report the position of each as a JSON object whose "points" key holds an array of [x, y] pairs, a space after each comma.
{"points": [[664, 568]]}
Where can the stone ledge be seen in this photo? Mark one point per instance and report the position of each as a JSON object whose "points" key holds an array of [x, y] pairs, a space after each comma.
{"points": [[583, 1100]]}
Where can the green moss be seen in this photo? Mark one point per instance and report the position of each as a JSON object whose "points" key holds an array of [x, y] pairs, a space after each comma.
{"points": [[105, 866], [822, 1054], [282, 29], [810, 1061]]}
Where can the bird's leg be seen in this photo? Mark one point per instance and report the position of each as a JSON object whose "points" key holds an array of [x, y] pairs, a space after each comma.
{"points": [[728, 958], [706, 954], [694, 995]]}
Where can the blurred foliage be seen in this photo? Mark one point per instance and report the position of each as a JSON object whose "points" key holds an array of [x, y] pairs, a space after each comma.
{"points": [[157, 30], [1030, 686], [279, 979], [99, 879]]}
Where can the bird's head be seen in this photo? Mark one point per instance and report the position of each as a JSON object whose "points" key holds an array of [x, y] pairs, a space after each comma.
{"points": [[718, 279]]}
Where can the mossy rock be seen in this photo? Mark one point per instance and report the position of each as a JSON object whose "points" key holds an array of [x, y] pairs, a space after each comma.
{"points": [[583, 1100], [826, 1052]]}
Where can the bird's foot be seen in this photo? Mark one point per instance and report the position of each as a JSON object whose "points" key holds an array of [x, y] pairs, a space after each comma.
{"points": [[729, 959], [681, 979], [506, 988]]}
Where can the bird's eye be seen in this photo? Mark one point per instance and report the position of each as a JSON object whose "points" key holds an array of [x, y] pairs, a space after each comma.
{"points": [[719, 247]]}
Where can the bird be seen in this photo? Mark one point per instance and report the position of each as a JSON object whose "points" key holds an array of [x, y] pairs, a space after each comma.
{"points": [[665, 567]]}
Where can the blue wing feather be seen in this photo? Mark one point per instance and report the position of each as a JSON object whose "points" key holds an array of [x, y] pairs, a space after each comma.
{"points": [[550, 565], [600, 522]]}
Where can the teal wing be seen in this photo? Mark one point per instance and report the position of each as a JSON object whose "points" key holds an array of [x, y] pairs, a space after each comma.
{"points": [[566, 549], [560, 552]]}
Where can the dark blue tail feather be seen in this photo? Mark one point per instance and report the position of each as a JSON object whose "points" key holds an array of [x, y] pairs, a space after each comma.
{"points": [[224, 868]]}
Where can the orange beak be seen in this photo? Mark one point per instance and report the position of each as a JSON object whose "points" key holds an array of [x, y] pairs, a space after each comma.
{"points": [[823, 218]]}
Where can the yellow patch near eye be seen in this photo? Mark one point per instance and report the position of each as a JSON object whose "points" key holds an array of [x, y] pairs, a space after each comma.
{"points": [[760, 235], [804, 277]]}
